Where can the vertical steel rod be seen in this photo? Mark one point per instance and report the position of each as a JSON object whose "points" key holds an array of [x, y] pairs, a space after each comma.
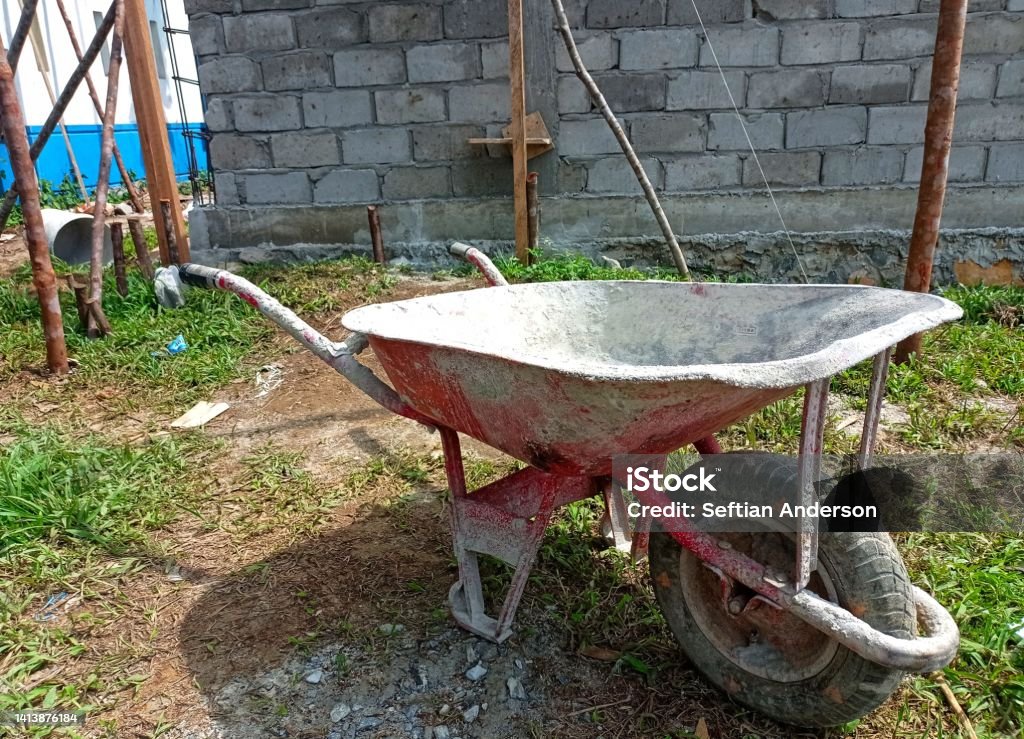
{"points": [[812, 434], [376, 237], [43, 278], [938, 140], [869, 435]]}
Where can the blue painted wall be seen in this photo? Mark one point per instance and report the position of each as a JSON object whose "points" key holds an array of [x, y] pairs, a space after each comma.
{"points": [[53, 163]]}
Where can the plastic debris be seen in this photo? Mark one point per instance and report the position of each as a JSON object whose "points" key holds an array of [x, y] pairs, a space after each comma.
{"points": [[49, 611], [170, 290], [177, 346], [268, 378], [199, 415]]}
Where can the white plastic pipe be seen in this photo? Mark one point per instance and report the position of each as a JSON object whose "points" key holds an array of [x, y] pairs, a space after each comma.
{"points": [[70, 236]]}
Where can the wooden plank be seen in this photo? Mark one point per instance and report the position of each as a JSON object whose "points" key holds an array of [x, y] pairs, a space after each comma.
{"points": [[149, 113], [517, 74]]}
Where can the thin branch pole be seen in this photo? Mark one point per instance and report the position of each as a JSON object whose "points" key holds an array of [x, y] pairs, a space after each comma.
{"points": [[133, 192], [620, 135], [62, 103], [106, 152], [28, 15], [43, 278], [938, 140]]}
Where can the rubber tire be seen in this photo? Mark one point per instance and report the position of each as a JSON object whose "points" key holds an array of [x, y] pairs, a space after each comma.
{"points": [[865, 568]]}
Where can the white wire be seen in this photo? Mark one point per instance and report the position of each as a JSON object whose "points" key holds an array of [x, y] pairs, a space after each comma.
{"points": [[743, 125]]}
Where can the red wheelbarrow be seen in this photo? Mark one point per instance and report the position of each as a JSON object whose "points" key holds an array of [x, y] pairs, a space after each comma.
{"points": [[813, 630]]}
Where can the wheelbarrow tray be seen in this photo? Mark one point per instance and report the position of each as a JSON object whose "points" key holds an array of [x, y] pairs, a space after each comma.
{"points": [[565, 375]]}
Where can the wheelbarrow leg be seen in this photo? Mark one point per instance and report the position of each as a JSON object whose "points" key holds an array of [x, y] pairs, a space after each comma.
{"points": [[869, 435], [812, 435], [505, 520]]}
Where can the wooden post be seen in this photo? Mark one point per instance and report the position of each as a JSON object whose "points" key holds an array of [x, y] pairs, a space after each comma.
{"points": [[376, 237], [43, 278], [117, 242], [141, 248], [149, 113], [938, 140], [80, 289], [533, 211], [517, 75], [173, 251]]}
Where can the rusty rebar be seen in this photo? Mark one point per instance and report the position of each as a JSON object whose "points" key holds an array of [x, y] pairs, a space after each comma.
{"points": [[43, 278], [62, 103], [172, 239], [376, 237], [106, 153], [142, 257], [117, 244], [133, 193], [938, 140]]}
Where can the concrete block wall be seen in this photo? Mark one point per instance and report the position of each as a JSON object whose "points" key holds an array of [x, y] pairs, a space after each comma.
{"points": [[833, 92], [316, 105]]}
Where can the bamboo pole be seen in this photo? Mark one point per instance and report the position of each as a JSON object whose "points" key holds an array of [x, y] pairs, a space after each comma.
{"points": [[43, 278], [58, 110], [938, 140], [103, 178], [620, 136], [149, 112], [517, 131], [133, 192]]}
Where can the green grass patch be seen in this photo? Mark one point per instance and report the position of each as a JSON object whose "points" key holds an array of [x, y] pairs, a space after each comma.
{"points": [[75, 518], [980, 578]]}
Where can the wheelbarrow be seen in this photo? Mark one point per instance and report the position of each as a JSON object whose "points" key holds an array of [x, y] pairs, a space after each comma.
{"points": [[809, 629]]}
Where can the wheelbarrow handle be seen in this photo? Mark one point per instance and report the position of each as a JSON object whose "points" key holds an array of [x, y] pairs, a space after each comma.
{"points": [[479, 260], [340, 355]]}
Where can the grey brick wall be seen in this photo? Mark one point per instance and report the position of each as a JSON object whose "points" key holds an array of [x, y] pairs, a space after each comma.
{"points": [[350, 101]]}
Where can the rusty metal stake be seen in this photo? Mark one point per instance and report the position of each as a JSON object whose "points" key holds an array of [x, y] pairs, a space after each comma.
{"points": [[938, 140], [375, 234], [43, 278], [117, 242], [532, 213], [63, 100], [172, 240], [133, 192], [145, 262]]}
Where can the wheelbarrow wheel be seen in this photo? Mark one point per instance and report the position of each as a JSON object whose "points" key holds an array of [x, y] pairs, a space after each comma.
{"points": [[767, 658]]}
